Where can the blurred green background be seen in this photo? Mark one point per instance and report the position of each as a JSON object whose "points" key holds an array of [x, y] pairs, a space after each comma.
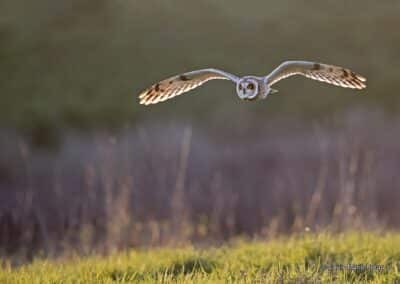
{"points": [[81, 63]]}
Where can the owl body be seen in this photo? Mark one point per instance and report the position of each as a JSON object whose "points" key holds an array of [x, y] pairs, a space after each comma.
{"points": [[251, 88]]}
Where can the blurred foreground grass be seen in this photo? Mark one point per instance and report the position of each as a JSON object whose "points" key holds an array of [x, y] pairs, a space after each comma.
{"points": [[299, 258]]}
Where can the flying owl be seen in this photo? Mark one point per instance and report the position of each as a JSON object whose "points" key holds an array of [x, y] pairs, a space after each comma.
{"points": [[252, 87]]}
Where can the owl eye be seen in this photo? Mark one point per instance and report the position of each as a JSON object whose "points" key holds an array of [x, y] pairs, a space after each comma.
{"points": [[240, 87], [250, 86]]}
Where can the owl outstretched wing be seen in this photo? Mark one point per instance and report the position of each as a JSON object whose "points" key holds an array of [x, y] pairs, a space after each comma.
{"points": [[330, 74], [179, 84]]}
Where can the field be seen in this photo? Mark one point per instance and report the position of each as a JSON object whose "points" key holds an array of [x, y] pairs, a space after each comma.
{"points": [[156, 185], [301, 258]]}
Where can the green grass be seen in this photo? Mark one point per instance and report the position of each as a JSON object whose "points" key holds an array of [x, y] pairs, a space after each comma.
{"points": [[300, 258]]}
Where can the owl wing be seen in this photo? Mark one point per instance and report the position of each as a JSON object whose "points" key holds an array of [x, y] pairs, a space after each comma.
{"points": [[179, 84], [330, 74]]}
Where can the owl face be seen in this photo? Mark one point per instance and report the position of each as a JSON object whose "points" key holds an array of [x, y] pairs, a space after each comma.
{"points": [[247, 88]]}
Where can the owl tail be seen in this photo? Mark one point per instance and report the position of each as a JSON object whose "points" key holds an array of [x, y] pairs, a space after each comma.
{"points": [[273, 91]]}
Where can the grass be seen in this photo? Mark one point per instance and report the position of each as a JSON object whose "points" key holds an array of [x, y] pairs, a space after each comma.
{"points": [[301, 258]]}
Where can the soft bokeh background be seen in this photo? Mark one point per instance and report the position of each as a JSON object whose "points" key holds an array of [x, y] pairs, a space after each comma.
{"points": [[83, 165]]}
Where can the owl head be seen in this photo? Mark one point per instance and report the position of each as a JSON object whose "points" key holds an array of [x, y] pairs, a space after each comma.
{"points": [[247, 88]]}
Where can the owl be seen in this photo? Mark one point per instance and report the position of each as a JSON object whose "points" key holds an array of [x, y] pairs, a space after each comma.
{"points": [[252, 88]]}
